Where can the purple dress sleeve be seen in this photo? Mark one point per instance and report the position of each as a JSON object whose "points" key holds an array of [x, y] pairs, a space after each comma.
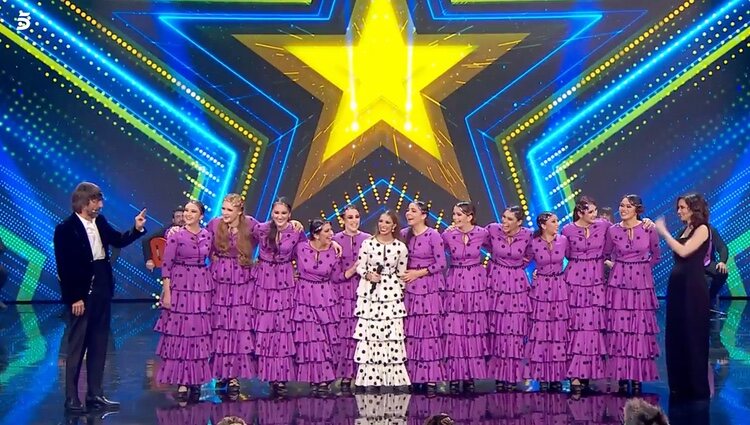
{"points": [[529, 255], [655, 250], [170, 253], [445, 236], [609, 244], [211, 226], [298, 254], [258, 231], [567, 230], [438, 253], [338, 273], [251, 223], [492, 229]]}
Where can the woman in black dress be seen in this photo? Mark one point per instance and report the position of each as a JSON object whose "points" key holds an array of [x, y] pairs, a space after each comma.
{"points": [[688, 303]]}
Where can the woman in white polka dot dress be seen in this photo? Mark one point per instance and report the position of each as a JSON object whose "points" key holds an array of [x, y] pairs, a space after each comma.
{"points": [[381, 352]]}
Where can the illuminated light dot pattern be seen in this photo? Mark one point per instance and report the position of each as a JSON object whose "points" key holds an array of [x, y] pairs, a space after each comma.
{"points": [[613, 116], [636, 102], [400, 202], [85, 73], [232, 121], [388, 189], [539, 114], [374, 189], [361, 196], [336, 208]]}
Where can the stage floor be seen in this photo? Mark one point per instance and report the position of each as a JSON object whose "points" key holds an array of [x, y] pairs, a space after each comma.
{"points": [[32, 372]]}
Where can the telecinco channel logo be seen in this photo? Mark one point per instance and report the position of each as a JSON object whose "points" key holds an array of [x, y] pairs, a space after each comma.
{"points": [[23, 20]]}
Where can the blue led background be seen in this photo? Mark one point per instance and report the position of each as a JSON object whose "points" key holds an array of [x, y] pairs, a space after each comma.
{"points": [[159, 102]]}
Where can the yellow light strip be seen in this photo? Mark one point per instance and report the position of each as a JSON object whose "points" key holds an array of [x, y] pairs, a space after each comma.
{"points": [[401, 196], [374, 189], [362, 197]]}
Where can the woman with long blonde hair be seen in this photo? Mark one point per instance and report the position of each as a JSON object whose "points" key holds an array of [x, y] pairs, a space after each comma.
{"points": [[232, 316]]}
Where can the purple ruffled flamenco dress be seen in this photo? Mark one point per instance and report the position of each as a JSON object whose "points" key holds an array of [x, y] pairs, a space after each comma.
{"points": [[185, 342]]}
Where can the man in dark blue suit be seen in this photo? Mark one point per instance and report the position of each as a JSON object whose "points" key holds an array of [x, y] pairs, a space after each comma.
{"points": [[81, 245]]}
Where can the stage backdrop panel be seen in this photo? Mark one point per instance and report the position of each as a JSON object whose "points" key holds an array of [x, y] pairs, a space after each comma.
{"points": [[372, 102]]}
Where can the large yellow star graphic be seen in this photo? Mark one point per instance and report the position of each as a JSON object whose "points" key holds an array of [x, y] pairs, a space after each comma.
{"points": [[381, 85]]}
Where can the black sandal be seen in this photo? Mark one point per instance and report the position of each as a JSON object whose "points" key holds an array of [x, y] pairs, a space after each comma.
{"points": [[455, 387], [183, 392], [194, 393], [279, 387], [431, 388], [233, 385], [320, 387], [636, 386]]}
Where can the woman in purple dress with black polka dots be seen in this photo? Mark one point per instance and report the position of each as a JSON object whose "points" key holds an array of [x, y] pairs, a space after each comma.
{"points": [[633, 250], [465, 300], [424, 287], [585, 278], [315, 315], [350, 239], [548, 338], [508, 296], [274, 296], [185, 321], [232, 317]]}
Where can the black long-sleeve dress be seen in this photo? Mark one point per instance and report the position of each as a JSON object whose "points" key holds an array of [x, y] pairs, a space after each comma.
{"points": [[687, 327]]}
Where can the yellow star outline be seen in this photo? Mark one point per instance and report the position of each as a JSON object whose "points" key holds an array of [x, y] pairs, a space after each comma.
{"points": [[381, 85]]}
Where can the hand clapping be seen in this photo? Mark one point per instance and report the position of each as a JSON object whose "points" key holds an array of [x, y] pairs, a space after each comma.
{"points": [[661, 226]]}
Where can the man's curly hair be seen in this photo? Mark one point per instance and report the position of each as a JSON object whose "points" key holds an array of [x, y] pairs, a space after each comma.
{"points": [[641, 412], [232, 420], [441, 419]]}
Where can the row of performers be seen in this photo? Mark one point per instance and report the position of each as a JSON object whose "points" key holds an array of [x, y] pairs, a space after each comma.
{"points": [[409, 306]]}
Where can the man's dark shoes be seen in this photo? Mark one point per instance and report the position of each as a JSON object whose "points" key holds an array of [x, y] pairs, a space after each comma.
{"points": [[101, 402], [73, 405]]}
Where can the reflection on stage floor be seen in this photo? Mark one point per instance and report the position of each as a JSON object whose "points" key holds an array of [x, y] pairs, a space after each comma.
{"points": [[32, 372]]}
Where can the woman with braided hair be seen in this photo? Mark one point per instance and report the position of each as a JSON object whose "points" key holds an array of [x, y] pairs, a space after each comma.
{"points": [[508, 296], [584, 277], [232, 318], [316, 313], [465, 300], [632, 250], [548, 336], [345, 284], [425, 285]]}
